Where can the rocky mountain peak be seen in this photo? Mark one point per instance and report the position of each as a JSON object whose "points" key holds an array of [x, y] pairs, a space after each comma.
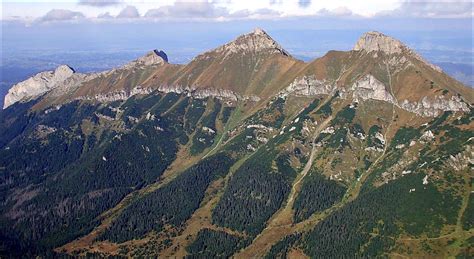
{"points": [[154, 57], [254, 42], [161, 54], [259, 31], [38, 85], [64, 71], [376, 41]]}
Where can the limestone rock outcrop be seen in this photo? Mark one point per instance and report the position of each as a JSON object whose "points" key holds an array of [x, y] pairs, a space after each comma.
{"points": [[308, 86], [152, 58], [37, 85], [432, 107], [369, 87], [374, 41], [256, 41], [188, 91]]}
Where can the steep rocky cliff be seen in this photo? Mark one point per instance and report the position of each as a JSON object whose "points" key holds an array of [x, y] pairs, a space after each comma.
{"points": [[37, 85]]}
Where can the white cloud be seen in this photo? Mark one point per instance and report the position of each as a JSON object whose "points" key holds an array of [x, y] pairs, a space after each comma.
{"points": [[186, 9], [263, 13], [219, 10], [129, 12], [272, 2], [99, 3], [339, 11], [433, 9], [105, 15], [61, 15]]}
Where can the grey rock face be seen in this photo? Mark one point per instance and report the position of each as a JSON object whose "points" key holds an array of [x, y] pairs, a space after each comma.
{"points": [[38, 85], [373, 42], [204, 93], [257, 41], [152, 58], [433, 107], [368, 87], [190, 92], [376, 41], [117, 95], [308, 86]]}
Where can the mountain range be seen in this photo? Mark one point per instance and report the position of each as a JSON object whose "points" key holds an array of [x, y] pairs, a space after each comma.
{"points": [[243, 152]]}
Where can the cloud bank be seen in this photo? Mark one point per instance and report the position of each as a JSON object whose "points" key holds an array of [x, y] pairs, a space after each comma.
{"points": [[432, 9], [129, 12], [226, 10], [61, 15], [100, 3], [186, 9]]}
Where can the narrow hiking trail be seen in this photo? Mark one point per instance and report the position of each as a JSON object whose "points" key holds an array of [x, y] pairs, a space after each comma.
{"points": [[353, 191], [281, 222], [297, 183]]}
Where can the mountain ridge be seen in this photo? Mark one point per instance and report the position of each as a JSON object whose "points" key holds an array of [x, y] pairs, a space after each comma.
{"points": [[254, 66]]}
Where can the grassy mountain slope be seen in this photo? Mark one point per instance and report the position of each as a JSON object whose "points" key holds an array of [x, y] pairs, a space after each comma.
{"points": [[327, 163]]}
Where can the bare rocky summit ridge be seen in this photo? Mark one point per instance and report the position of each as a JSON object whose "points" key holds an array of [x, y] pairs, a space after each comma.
{"points": [[64, 77], [155, 57], [37, 85], [374, 41], [254, 42], [221, 73]]}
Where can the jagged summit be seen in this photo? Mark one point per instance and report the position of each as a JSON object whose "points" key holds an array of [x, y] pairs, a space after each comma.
{"points": [[374, 41], [254, 42], [251, 64], [259, 30], [38, 85], [161, 54], [154, 57], [64, 69]]}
